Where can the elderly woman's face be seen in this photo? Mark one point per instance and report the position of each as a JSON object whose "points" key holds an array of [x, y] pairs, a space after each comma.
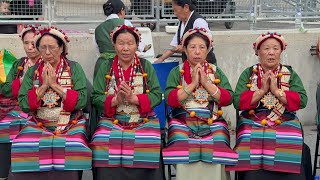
{"points": [[125, 47], [269, 53], [28, 45], [50, 50], [196, 50]]}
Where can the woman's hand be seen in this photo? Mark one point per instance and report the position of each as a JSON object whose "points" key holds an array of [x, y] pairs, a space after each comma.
{"points": [[127, 92], [118, 98], [45, 75], [196, 74], [273, 82], [265, 82], [203, 77], [52, 78]]}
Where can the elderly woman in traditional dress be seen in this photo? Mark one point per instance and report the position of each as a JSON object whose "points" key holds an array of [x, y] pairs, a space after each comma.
{"points": [[126, 142], [11, 116], [269, 134], [198, 140], [53, 143]]}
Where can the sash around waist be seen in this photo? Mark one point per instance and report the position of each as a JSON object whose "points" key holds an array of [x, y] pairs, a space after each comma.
{"points": [[179, 113]]}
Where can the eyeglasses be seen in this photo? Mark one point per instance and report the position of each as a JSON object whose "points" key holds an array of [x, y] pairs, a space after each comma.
{"points": [[50, 48]]}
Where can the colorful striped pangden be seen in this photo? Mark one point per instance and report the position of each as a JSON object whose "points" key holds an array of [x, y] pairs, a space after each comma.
{"points": [[6, 105], [11, 124], [35, 149], [114, 146], [213, 148], [275, 149]]}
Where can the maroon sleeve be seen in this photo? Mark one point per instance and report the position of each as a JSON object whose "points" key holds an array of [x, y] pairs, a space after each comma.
{"points": [[32, 99], [173, 98], [293, 101], [144, 102], [245, 100], [71, 100], [108, 110], [15, 87], [225, 97]]}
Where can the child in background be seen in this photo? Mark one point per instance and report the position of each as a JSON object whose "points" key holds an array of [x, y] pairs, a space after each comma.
{"points": [[5, 7]]}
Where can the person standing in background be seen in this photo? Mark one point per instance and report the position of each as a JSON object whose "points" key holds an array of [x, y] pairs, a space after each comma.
{"points": [[185, 11]]}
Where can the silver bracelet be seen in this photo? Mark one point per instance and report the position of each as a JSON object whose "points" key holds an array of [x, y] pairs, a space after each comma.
{"points": [[216, 92], [64, 91]]}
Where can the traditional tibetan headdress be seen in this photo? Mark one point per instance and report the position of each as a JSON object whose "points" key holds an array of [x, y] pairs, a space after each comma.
{"points": [[203, 31], [27, 28], [130, 28], [264, 37], [54, 31]]}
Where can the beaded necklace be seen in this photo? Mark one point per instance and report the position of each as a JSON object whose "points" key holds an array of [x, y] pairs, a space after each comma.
{"points": [[185, 76], [132, 72], [50, 97], [135, 67], [269, 100], [118, 73], [23, 65]]}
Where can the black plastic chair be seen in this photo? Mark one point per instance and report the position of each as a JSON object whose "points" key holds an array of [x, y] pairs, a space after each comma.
{"points": [[316, 154]]}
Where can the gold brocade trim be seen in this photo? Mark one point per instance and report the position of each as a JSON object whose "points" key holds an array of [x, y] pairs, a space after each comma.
{"points": [[270, 101], [51, 114], [191, 102], [51, 98], [130, 109]]}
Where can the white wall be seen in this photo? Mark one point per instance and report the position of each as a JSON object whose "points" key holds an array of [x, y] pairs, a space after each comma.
{"points": [[234, 53]]}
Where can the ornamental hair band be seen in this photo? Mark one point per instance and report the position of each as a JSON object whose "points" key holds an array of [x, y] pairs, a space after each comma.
{"points": [[131, 28]]}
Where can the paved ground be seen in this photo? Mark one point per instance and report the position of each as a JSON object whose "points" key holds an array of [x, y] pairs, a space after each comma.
{"points": [[310, 140]]}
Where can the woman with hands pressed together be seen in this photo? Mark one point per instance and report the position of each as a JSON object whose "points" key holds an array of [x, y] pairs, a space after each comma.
{"points": [[269, 134], [126, 142], [54, 92], [198, 137], [12, 118]]}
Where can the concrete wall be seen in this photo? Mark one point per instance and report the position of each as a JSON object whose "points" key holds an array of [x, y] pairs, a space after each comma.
{"points": [[234, 53]]}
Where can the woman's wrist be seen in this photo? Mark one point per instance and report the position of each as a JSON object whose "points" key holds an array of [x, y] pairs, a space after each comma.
{"points": [[261, 92], [216, 91], [160, 59], [133, 99], [114, 101]]}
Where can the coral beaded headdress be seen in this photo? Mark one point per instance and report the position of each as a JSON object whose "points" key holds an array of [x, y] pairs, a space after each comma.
{"points": [[27, 28], [203, 31], [55, 31], [264, 37], [131, 28]]}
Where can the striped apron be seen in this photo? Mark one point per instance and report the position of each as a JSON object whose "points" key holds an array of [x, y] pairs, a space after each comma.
{"points": [[277, 148], [116, 145]]}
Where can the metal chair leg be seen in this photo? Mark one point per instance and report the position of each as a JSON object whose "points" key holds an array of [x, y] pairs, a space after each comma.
{"points": [[169, 172], [316, 154]]}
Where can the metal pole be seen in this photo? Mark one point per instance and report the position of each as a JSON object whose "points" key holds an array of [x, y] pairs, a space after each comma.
{"points": [[253, 15], [158, 15], [298, 21], [49, 13]]}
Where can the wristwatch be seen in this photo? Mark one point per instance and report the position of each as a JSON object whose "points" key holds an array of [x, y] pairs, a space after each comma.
{"points": [[281, 93]]}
